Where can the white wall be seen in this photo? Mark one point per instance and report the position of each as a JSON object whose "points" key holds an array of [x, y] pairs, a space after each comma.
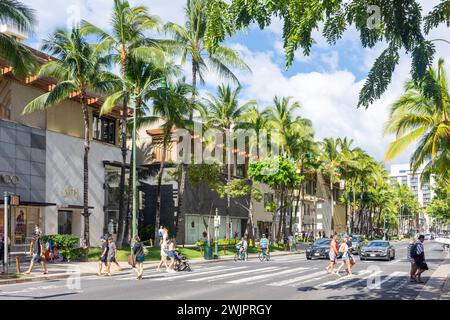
{"points": [[64, 180]]}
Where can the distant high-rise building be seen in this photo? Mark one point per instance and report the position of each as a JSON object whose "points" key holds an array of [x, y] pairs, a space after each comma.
{"points": [[402, 174]]}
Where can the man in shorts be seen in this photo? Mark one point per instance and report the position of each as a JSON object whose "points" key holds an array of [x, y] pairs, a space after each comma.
{"points": [[103, 260], [332, 254], [36, 251]]}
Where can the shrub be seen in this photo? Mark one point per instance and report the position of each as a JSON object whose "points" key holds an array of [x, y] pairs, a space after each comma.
{"points": [[147, 232], [67, 244]]}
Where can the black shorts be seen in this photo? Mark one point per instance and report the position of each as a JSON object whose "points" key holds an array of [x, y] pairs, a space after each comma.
{"points": [[103, 259], [112, 259], [36, 258]]}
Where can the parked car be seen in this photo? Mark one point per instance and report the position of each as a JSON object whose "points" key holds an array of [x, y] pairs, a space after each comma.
{"points": [[357, 243], [320, 249], [427, 236], [377, 249]]}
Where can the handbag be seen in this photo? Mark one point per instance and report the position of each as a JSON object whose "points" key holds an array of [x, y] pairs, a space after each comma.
{"points": [[132, 260]]}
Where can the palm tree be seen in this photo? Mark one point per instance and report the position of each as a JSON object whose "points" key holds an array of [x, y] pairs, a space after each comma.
{"points": [[22, 17], [255, 120], [223, 112], [330, 163], [78, 70], [421, 115], [127, 41], [190, 42], [170, 105]]}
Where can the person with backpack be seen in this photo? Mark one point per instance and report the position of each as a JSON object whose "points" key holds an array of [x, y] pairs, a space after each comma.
{"points": [[418, 254], [103, 260], [138, 257], [413, 268], [37, 253]]}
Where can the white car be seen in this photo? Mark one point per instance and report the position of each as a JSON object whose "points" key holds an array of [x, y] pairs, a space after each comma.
{"points": [[427, 236]]}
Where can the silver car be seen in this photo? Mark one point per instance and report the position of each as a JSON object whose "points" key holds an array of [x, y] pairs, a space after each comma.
{"points": [[377, 250]]}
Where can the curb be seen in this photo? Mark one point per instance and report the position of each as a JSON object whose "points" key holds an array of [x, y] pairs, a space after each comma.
{"points": [[150, 265], [437, 283]]}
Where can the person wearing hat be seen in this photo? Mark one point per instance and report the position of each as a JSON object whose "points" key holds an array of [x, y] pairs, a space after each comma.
{"points": [[103, 260]]}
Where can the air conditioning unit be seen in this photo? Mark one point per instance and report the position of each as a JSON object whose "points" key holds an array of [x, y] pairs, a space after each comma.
{"points": [[14, 32]]}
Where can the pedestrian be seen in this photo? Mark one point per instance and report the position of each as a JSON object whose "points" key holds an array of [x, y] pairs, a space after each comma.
{"points": [[350, 252], [160, 235], [103, 260], [320, 235], [112, 253], [311, 236], [164, 254], [2, 254], [285, 242], [172, 255], [418, 254], [291, 242], [413, 269], [36, 251], [165, 235], [139, 257], [333, 253], [343, 248]]}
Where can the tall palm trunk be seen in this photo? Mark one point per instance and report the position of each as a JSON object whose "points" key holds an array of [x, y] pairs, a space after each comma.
{"points": [[86, 170], [194, 90], [332, 201], [128, 222], [181, 188], [249, 228], [229, 154], [158, 192]]}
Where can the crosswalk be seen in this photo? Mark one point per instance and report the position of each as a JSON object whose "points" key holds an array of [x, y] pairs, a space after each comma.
{"points": [[275, 276]]}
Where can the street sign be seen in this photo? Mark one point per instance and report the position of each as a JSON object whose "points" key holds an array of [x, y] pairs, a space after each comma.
{"points": [[216, 221], [14, 200]]}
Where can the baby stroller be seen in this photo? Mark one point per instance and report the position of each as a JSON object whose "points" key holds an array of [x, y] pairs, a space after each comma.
{"points": [[181, 262]]}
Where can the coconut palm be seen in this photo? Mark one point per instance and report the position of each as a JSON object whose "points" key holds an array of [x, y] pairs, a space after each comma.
{"points": [[421, 115], [17, 15], [170, 106], [127, 41], [79, 70], [190, 42]]}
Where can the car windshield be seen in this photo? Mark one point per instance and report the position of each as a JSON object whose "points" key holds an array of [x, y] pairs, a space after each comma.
{"points": [[322, 242], [378, 244]]}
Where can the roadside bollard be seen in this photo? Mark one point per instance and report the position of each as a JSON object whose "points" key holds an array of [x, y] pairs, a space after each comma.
{"points": [[17, 264]]}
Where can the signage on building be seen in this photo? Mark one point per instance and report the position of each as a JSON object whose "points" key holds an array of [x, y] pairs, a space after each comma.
{"points": [[71, 193], [9, 179], [14, 200]]}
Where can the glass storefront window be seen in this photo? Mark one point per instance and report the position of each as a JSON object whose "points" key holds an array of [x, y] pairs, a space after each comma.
{"points": [[64, 222], [22, 221]]}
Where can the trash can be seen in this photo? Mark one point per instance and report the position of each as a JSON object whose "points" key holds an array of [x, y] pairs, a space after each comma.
{"points": [[207, 253]]}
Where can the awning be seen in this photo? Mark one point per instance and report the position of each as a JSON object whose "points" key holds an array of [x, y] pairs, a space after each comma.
{"points": [[32, 204], [74, 207]]}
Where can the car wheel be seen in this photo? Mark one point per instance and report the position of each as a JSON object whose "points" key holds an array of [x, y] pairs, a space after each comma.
{"points": [[308, 258]]}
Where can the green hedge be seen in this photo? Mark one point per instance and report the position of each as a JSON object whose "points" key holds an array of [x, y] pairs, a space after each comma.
{"points": [[67, 244], [221, 242]]}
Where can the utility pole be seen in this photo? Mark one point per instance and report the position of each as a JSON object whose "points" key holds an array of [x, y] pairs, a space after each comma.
{"points": [[5, 233], [384, 225]]}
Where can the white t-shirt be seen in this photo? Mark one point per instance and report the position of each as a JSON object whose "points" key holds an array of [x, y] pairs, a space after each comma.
{"points": [[163, 248]]}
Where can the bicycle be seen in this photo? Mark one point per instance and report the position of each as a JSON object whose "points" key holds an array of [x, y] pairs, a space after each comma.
{"points": [[264, 254], [240, 255]]}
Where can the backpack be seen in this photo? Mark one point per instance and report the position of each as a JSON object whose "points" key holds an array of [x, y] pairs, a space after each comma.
{"points": [[413, 251]]}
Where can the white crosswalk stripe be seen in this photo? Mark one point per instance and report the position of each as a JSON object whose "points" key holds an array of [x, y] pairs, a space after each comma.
{"points": [[221, 276], [354, 283], [296, 280], [393, 275], [266, 276], [175, 276], [340, 280]]}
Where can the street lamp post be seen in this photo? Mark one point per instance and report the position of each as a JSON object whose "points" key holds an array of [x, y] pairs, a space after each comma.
{"points": [[5, 233], [134, 171], [384, 225]]}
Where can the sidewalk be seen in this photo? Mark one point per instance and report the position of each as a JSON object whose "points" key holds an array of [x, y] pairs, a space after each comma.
{"points": [[66, 270], [438, 286]]}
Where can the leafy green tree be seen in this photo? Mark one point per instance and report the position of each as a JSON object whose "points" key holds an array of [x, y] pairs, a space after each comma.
{"points": [[126, 41], [397, 24], [18, 15], [422, 115], [439, 208], [79, 70]]}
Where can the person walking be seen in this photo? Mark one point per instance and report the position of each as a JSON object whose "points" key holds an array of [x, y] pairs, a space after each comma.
{"points": [[164, 254], [112, 253], [333, 253], [160, 235], [172, 255], [413, 268], [36, 251], [418, 254], [291, 242], [343, 248], [350, 252], [139, 257], [103, 260]]}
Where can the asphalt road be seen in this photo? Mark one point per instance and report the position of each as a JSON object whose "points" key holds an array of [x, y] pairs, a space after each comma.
{"points": [[284, 277]]}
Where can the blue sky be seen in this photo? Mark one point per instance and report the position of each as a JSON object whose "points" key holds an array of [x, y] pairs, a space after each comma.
{"points": [[326, 83]]}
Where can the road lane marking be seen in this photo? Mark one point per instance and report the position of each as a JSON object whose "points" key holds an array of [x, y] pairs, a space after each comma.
{"points": [[396, 274], [265, 276], [297, 279], [343, 279], [221, 276], [172, 276], [352, 284]]}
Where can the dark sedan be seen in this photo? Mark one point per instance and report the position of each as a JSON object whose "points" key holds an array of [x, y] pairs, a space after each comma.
{"points": [[377, 249], [320, 249]]}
